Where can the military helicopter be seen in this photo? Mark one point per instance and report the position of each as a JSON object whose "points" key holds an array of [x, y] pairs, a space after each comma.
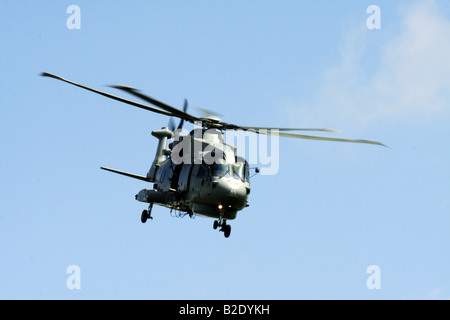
{"points": [[197, 173]]}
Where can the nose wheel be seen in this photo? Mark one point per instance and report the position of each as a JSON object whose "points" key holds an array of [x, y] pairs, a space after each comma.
{"points": [[224, 227]]}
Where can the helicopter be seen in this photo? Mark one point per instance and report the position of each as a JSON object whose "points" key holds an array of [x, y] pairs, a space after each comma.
{"points": [[197, 173]]}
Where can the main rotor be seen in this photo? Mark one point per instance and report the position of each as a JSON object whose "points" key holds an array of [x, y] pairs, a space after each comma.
{"points": [[209, 121]]}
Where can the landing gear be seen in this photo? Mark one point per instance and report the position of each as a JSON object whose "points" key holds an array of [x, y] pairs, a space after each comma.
{"points": [[224, 227], [226, 230], [147, 214], [144, 216]]}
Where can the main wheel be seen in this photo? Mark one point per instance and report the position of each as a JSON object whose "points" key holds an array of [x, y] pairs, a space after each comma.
{"points": [[144, 216], [215, 224], [227, 231]]}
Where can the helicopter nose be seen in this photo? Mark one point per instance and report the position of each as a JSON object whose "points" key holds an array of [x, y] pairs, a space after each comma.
{"points": [[232, 192]]}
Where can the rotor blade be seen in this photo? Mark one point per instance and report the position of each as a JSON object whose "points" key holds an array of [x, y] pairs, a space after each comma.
{"points": [[208, 113], [185, 106], [174, 111], [131, 175], [301, 136], [289, 129], [171, 124], [45, 74]]}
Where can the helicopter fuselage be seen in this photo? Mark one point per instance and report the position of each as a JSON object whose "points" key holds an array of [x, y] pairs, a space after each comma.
{"points": [[218, 190], [197, 189]]}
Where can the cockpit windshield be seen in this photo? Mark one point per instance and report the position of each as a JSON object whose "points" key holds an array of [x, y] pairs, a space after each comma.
{"points": [[238, 170], [220, 169]]}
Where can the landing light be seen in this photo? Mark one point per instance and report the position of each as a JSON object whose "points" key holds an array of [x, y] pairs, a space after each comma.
{"points": [[220, 206]]}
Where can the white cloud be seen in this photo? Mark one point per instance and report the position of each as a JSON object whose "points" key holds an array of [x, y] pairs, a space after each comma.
{"points": [[416, 69], [411, 76]]}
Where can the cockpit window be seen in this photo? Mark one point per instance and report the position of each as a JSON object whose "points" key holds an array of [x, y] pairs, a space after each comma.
{"points": [[238, 170], [219, 169], [241, 169]]}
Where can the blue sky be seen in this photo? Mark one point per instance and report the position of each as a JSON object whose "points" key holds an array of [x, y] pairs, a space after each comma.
{"points": [[311, 230]]}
